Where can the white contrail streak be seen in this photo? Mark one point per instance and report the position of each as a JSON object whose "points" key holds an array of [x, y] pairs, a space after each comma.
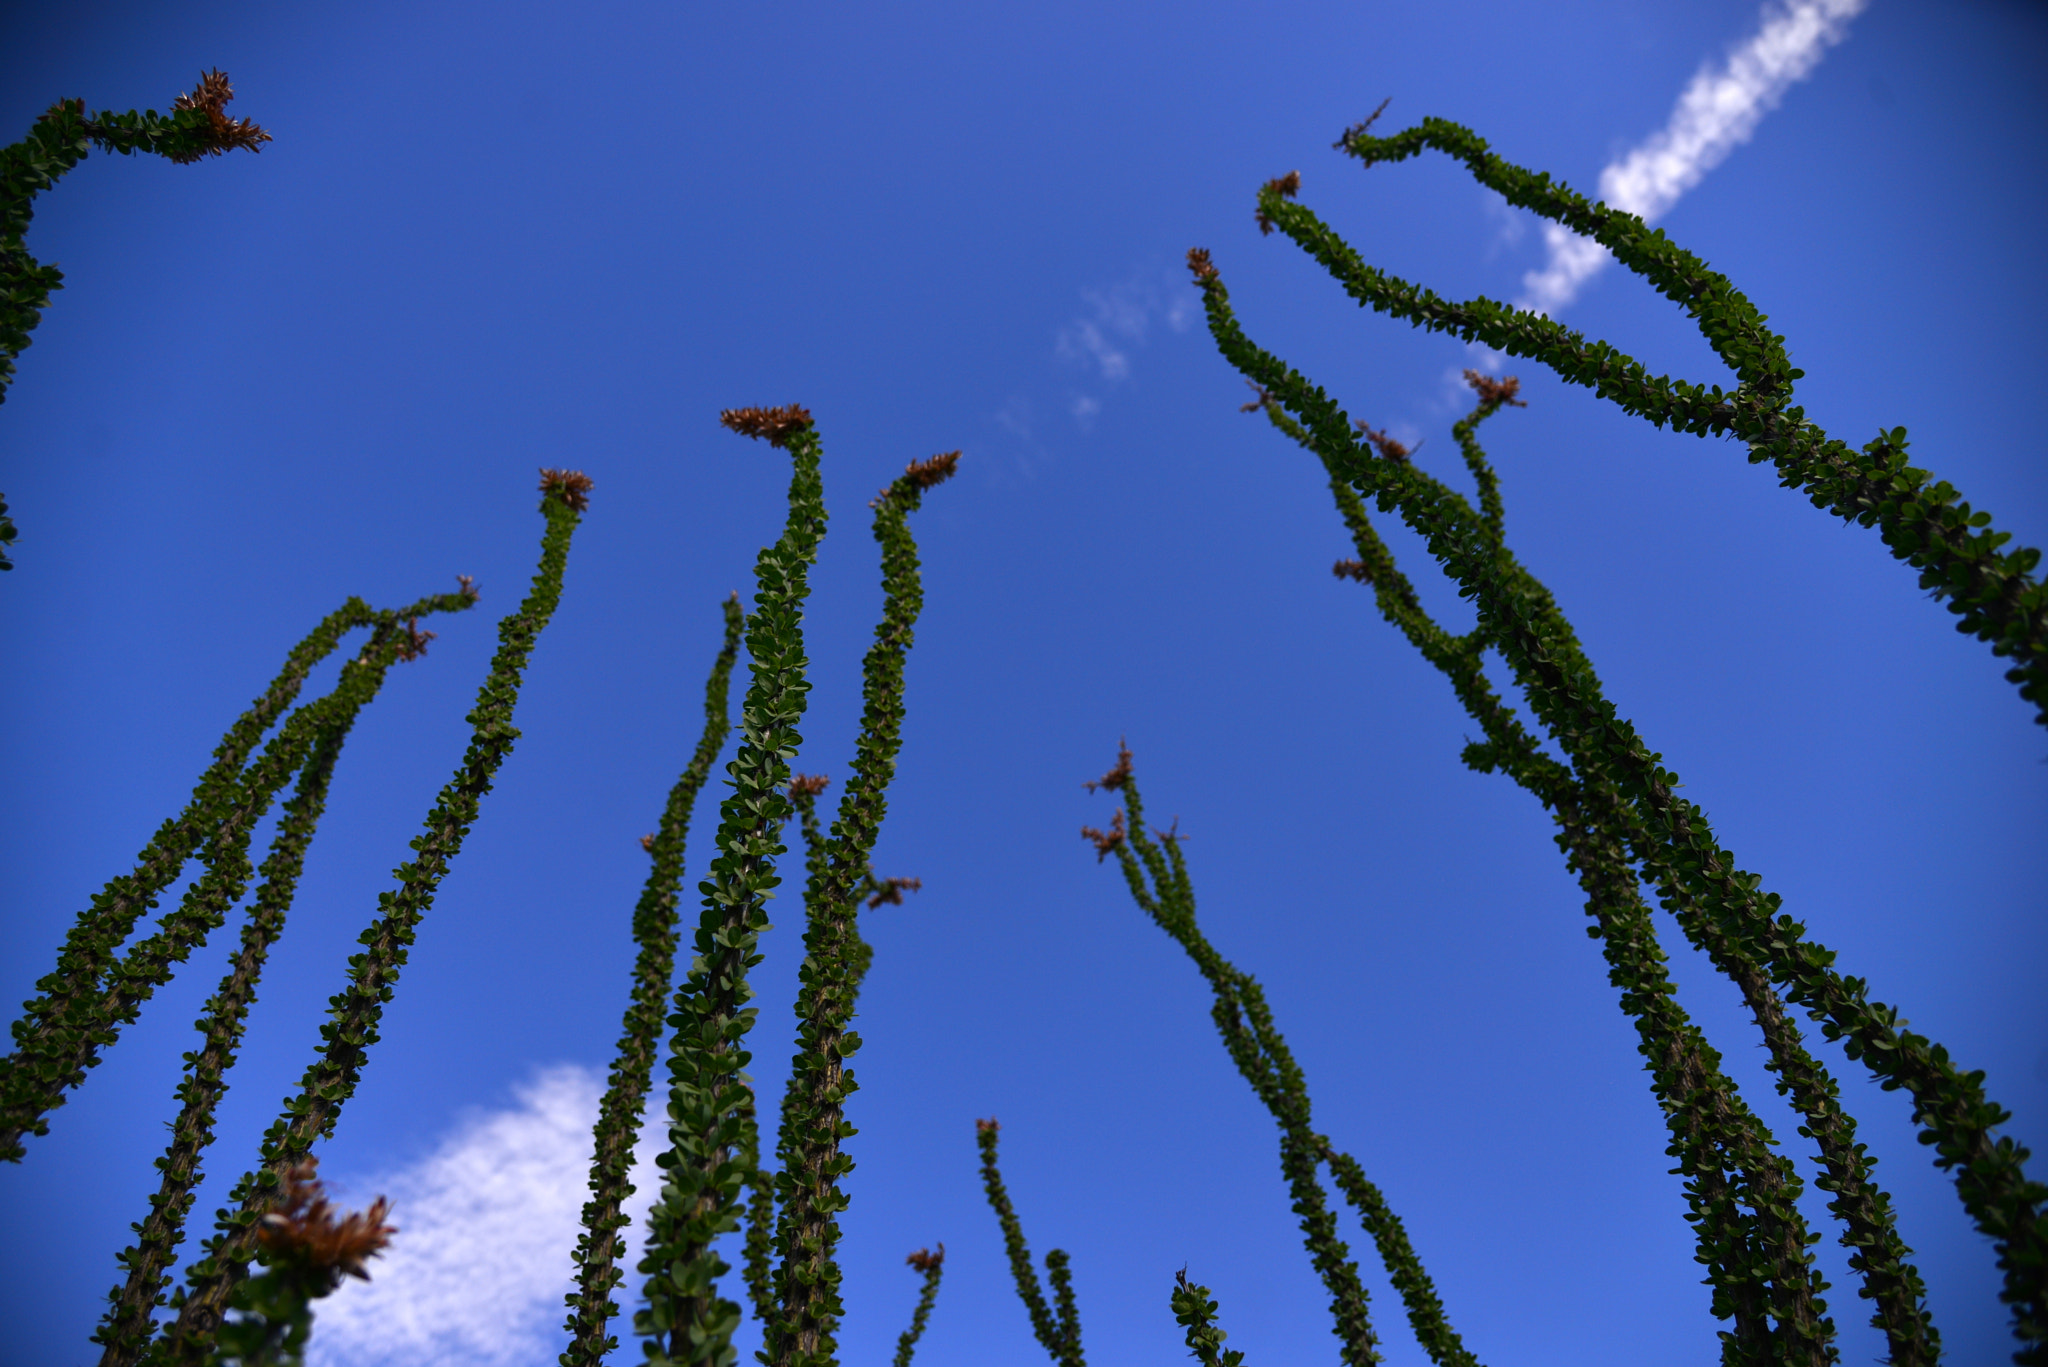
{"points": [[1715, 115]]}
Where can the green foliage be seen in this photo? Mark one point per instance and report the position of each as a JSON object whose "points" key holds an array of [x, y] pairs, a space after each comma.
{"points": [[813, 1120], [1924, 522], [1196, 1313], [1058, 1328], [1615, 804], [130, 1319], [92, 993], [619, 1115], [711, 1114], [63, 136], [933, 1266], [355, 1012], [1621, 827], [1157, 874]]}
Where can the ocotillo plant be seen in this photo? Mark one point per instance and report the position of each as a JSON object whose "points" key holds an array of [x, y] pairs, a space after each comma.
{"points": [[1158, 877], [248, 1297], [619, 1114], [96, 989], [713, 1154], [197, 126], [1620, 822]]}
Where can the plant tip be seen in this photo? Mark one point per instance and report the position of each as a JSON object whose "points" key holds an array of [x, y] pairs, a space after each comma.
{"points": [[1493, 393], [572, 487], [222, 134], [926, 474], [1286, 187], [1117, 777], [774, 425]]}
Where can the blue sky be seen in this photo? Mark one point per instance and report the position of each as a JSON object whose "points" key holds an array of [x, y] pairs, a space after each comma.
{"points": [[492, 238]]}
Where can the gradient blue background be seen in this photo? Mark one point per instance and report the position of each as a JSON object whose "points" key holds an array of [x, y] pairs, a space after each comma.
{"points": [[489, 238]]}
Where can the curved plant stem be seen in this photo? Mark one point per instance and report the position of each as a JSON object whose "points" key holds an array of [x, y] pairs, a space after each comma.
{"points": [[625, 1101], [835, 958], [355, 1012], [712, 1129], [94, 991]]}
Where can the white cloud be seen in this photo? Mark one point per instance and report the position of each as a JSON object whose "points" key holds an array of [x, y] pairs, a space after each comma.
{"points": [[1716, 114], [1087, 339], [480, 1264], [1015, 416], [1084, 410], [1509, 223], [1119, 318]]}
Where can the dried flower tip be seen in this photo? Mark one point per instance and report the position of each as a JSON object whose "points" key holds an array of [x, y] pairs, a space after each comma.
{"points": [[927, 474], [222, 134], [1198, 262], [1352, 569], [924, 1260], [1106, 841], [1261, 398], [647, 843], [1287, 187], [415, 643], [773, 424], [571, 486], [303, 1229], [211, 94], [1117, 777], [1170, 834], [987, 1126], [468, 588], [891, 890], [1358, 130], [807, 785], [1493, 393], [1384, 444]]}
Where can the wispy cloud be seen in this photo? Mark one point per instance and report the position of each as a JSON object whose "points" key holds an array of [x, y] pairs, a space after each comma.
{"points": [[480, 1264], [1118, 321], [1716, 114]]}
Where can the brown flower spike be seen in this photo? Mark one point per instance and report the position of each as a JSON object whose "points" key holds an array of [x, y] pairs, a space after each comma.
{"points": [[303, 1231], [774, 425], [807, 785], [1493, 393], [891, 891], [223, 134], [1109, 840], [1117, 777], [927, 474], [924, 1260], [1198, 262], [923, 474], [1287, 187], [415, 643], [1384, 444], [571, 486]]}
